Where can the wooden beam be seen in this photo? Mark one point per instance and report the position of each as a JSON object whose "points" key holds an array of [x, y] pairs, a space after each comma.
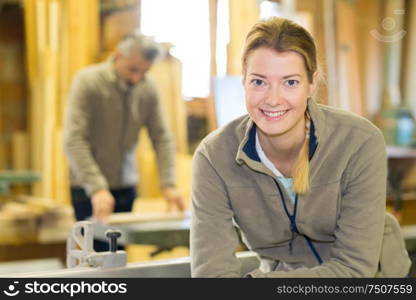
{"points": [[20, 151], [60, 171], [61, 37], [370, 59], [179, 106], [211, 115], [167, 74], [330, 52], [392, 40], [347, 60], [30, 29], [2, 150], [243, 15]]}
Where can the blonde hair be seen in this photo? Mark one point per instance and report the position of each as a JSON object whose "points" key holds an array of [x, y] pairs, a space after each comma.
{"points": [[284, 35]]}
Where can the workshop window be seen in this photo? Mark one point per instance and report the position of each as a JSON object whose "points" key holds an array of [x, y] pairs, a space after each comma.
{"points": [[185, 24]]}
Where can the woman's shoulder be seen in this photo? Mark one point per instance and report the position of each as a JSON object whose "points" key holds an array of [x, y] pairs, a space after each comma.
{"points": [[225, 139], [348, 122]]}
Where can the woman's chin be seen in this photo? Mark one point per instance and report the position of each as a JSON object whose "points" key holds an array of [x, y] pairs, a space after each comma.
{"points": [[270, 131]]}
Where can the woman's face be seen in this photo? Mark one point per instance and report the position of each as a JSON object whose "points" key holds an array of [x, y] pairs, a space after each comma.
{"points": [[277, 87]]}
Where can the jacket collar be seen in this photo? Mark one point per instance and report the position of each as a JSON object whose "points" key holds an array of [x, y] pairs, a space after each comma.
{"points": [[110, 73], [247, 148]]}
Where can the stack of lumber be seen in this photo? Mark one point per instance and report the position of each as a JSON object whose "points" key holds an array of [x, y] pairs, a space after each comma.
{"points": [[26, 219], [18, 224]]}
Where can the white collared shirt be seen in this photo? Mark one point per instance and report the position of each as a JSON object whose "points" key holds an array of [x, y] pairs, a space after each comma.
{"points": [[287, 182]]}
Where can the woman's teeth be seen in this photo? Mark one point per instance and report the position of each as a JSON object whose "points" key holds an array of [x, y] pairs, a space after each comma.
{"points": [[275, 113]]}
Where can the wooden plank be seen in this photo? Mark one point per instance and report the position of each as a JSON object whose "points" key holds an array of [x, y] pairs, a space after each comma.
{"points": [[318, 32], [243, 15], [370, 59], [330, 52], [392, 42], [62, 36], [125, 218], [51, 100], [347, 61], [167, 74], [311, 15], [20, 153], [210, 113], [61, 174], [2, 146], [12, 81], [181, 129], [37, 103]]}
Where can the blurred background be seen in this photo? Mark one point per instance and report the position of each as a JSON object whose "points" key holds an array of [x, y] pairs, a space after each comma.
{"points": [[367, 58]]}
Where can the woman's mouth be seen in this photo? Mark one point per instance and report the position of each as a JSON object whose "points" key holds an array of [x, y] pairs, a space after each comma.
{"points": [[274, 115]]}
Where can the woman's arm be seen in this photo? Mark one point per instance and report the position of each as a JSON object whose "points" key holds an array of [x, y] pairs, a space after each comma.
{"points": [[213, 236]]}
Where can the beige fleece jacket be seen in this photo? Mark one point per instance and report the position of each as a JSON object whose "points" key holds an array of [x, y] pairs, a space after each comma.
{"points": [[343, 213]]}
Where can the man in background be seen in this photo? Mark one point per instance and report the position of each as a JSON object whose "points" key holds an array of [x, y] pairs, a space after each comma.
{"points": [[108, 105]]}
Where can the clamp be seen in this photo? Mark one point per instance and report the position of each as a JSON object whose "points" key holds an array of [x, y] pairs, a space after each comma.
{"points": [[80, 251]]}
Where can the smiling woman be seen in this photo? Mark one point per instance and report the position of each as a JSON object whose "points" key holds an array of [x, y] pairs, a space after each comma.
{"points": [[304, 183], [277, 89]]}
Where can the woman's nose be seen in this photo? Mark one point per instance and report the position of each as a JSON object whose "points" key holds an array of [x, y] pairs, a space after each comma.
{"points": [[274, 97]]}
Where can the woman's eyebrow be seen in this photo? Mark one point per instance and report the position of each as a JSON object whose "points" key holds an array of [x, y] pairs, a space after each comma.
{"points": [[291, 75], [284, 77], [258, 75]]}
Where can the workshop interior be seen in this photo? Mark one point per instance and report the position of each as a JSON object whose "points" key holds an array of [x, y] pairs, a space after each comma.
{"points": [[367, 59]]}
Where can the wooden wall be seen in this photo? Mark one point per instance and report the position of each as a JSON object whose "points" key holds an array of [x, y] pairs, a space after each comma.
{"points": [[13, 92], [61, 37]]}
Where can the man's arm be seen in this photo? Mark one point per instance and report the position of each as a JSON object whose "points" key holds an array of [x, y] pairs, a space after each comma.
{"points": [[78, 150], [78, 118]]}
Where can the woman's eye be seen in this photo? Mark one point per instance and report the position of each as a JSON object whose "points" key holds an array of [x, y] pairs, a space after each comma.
{"points": [[292, 82], [257, 82]]}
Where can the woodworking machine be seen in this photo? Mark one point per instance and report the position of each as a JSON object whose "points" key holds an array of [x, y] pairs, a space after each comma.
{"points": [[83, 261]]}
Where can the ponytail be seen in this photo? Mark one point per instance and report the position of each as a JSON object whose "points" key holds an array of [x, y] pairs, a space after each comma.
{"points": [[301, 169]]}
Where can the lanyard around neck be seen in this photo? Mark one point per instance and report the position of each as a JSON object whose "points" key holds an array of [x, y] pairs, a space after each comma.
{"points": [[293, 226]]}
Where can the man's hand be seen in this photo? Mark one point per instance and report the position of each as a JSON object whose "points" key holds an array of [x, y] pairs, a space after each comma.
{"points": [[102, 204], [173, 198]]}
